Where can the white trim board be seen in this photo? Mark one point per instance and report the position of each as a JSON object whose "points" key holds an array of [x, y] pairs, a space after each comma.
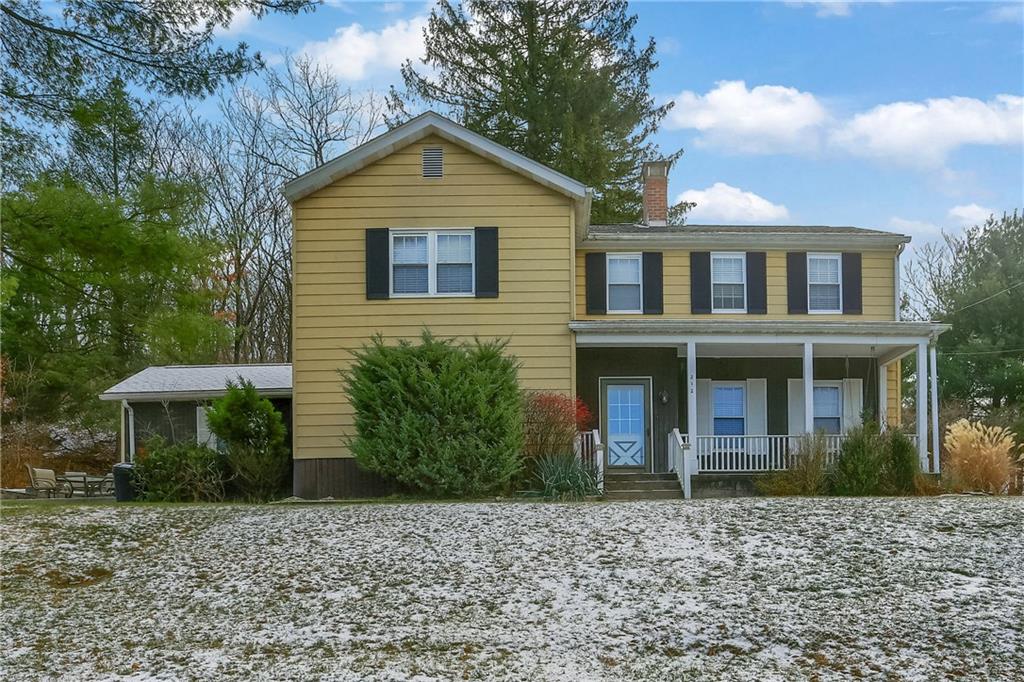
{"points": [[795, 330]]}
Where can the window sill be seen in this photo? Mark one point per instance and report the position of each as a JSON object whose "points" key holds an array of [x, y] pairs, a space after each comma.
{"points": [[466, 295]]}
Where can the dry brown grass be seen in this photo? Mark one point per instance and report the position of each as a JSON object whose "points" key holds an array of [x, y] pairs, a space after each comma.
{"points": [[980, 457]]}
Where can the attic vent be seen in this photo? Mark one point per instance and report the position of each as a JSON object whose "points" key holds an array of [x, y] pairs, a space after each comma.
{"points": [[433, 162]]}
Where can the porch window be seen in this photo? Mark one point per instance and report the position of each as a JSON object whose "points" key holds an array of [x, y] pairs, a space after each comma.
{"points": [[432, 263], [624, 283], [823, 283], [828, 409], [728, 409], [728, 283]]}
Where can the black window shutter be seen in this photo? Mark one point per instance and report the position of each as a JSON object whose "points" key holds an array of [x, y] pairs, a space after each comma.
{"points": [[653, 286], [700, 282], [485, 242], [852, 295], [757, 283], [377, 263], [796, 281], [596, 274]]}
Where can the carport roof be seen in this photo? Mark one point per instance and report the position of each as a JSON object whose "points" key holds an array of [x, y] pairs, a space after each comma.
{"points": [[188, 382]]}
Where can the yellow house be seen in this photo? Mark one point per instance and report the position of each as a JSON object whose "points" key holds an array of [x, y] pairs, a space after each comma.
{"points": [[700, 347]]}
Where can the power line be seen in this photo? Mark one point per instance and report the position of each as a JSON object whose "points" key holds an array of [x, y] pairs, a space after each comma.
{"points": [[987, 298], [986, 352]]}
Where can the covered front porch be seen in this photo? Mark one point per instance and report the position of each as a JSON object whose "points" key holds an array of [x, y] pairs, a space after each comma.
{"points": [[696, 397]]}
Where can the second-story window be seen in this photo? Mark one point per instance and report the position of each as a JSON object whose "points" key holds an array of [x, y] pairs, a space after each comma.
{"points": [[432, 263], [824, 275], [728, 283], [625, 283]]}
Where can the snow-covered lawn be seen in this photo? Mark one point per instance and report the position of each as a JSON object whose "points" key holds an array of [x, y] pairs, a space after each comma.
{"points": [[734, 589]]}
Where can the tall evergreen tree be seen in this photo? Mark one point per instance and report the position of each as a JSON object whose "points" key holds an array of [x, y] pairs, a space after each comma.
{"points": [[563, 83], [100, 276], [57, 52]]}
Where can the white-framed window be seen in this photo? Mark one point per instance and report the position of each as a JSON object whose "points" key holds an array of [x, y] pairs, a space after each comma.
{"points": [[824, 283], [728, 283], [625, 283], [828, 406], [728, 408], [432, 263]]}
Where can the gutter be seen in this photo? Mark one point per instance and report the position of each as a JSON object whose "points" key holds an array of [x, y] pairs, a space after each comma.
{"points": [[154, 397]]}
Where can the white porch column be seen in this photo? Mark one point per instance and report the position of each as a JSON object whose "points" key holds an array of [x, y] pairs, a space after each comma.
{"points": [[922, 404], [883, 396], [934, 372], [808, 387], [691, 395]]}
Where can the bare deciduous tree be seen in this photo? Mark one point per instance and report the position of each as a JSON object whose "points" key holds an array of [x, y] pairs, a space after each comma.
{"points": [[268, 133]]}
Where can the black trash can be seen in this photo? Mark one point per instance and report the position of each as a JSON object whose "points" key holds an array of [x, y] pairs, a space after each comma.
{"points": [[124, 482]]}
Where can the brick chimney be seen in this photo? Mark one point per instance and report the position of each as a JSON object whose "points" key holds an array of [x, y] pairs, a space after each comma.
{"points": [[655, 177]]}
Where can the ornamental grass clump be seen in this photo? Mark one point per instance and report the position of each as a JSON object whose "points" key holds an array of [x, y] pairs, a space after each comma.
{"points": [[979, 457], [808, 473], [441, 418], [565, 478]]}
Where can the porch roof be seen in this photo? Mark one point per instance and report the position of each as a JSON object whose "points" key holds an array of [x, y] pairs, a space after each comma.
{"points": [[752, 338], [194, 382]]}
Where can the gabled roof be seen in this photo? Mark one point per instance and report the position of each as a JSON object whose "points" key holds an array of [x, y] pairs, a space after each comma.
{"points": [[185, 382], [431, 123]]}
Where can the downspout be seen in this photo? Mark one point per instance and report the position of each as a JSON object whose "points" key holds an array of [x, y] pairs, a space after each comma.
{"points": [[131, 430], [896, 288]]}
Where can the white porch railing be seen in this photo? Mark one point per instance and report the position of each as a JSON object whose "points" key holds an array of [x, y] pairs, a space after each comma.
{"points": [[680, 460], [729, 454], [591, 452]]}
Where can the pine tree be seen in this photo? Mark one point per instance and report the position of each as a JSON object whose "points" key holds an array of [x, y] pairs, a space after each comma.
{"points": [[563, 83]]}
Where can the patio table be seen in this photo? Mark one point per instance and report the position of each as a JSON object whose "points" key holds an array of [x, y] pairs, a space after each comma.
{"points": [[89, 485]]}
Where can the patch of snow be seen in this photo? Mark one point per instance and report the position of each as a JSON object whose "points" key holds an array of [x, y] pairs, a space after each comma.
{"points": [[751, 589]]}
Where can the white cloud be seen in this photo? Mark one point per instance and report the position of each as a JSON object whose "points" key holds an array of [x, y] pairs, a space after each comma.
{"points": [[824, 8], [924, 133], [919, 229], [763, 119], [970, 214], [727, 204], [355, 53], [241, 21], [1009, 14]]}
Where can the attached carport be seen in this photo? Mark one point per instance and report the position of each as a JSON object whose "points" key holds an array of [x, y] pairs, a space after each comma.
{"points": [[170, 400]]}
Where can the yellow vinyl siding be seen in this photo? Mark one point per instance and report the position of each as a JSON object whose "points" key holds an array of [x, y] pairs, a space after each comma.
{"points": [[877, 281], [332, 315], [894, 394]]}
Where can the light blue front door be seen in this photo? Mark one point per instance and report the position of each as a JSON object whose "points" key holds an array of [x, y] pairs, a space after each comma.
{"points": [[626, 424]]}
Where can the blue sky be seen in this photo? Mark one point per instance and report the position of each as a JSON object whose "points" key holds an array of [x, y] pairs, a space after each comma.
{"points": [[903, 116]]}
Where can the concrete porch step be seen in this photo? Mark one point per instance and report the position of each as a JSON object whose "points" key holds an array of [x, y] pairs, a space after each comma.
{"points": [[639, 476], [676, 494], [641, 484]]}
